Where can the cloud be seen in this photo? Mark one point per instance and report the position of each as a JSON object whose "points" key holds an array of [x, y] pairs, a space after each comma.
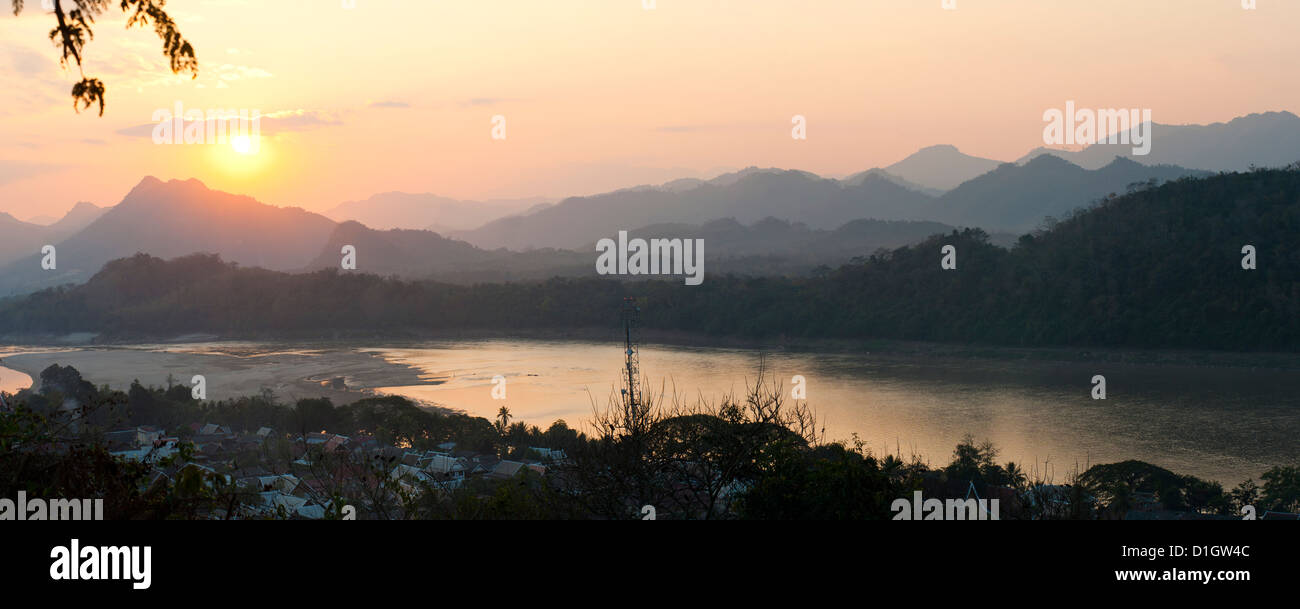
{"points": [[389, 104], [28, 62], [228, 72], [485, 101], [682, 128], [268, 123], [12, 171]]}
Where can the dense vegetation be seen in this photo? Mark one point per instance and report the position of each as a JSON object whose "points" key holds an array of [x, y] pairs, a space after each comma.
{"points": [[1157, 267]]}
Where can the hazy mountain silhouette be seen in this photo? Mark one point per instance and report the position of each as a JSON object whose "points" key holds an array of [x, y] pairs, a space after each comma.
{"points": [[396, 251], [770, 214], [77, 218], [418, 211], [1010, 197], [19, 239], [1155, 268], [768, 246], [941, 167], [1019, 197], [422, 254], [728, 238], [747, 196], [173, 219], [859, 177], [1268, 139]]}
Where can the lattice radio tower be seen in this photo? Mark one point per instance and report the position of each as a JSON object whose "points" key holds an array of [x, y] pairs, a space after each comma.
{"points": [[632, 354]]}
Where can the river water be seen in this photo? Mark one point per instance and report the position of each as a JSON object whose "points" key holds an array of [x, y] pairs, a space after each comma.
{"points": [[1222, 423]]}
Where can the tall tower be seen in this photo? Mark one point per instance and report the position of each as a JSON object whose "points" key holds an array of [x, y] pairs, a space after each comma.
{"points": [[631, 354]]}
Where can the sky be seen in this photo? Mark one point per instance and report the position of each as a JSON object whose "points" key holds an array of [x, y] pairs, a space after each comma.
{"points": [[400, 95]]}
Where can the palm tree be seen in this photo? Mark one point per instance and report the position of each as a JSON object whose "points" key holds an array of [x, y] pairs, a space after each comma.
{"points": [[1016, 477], [503, 421]]}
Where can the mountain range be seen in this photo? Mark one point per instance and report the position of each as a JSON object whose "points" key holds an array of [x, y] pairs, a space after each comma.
{"points": [[1267, 139], [1156, 268], [1009, 197], [747, 196], [19, 239], [756, 221], [940, 167], [168, 219], [407, 210]]}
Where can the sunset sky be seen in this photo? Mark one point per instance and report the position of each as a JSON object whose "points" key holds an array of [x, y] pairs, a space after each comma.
{"points": [[602, 94]]}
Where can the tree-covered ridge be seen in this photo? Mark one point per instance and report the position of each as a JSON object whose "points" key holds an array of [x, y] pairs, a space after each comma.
{"points": [[1157, 267]]}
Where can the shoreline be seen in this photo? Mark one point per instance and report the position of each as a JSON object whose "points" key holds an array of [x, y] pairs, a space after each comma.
{"points": [[340, 375], [1123, 355], [1030, 392]]}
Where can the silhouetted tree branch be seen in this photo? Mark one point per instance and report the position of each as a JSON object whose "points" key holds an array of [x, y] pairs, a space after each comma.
{"points": [[75, 18]]}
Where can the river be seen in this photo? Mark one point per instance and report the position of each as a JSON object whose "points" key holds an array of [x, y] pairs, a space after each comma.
{"points": [[1226, 423]]}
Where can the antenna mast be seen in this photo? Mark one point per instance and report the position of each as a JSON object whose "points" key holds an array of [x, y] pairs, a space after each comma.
{"points": [[632, 355]]}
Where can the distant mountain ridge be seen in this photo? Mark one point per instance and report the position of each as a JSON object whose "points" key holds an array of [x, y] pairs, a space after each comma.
{"points": [[176, 218], [747, 215], [1266, 139], [1020, 197], [747, 196], [1158, 268], [19, 239], [422, 254], [1009, 197], [941, 167], [417, 211], [773, 237]]}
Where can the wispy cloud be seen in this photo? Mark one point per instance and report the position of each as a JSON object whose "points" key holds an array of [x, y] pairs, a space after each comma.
{"points": [[485, 101], [269, 123], [12, 171], [682, 128]]}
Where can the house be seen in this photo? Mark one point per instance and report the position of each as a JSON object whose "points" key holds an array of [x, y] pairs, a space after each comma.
{"points": [[336, 442], [212, 429], [445, 470], [126, 439], [161, 448], [506, 469], [284, 483], [269, 503], [549, 454]]}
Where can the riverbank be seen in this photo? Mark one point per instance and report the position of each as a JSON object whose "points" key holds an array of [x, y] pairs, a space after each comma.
{"points": [[338, 340], [341, 375], [1218, 422]]}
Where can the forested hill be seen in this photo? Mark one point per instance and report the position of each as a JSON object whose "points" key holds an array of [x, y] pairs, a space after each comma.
{"points": [[1154, 268]]}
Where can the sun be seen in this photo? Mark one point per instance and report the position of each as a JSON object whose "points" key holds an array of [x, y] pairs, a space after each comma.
{"points": [[243, 144], [243, 156]]}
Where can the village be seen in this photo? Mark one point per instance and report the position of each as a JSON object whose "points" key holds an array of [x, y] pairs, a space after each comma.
{"points": [[271, 474]]}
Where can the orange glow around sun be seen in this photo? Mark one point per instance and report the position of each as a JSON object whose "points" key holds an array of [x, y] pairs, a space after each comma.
{"points": [[243, 157]]}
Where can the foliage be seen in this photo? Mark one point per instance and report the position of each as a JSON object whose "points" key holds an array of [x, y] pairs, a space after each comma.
{"points": [[75, 19]]}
